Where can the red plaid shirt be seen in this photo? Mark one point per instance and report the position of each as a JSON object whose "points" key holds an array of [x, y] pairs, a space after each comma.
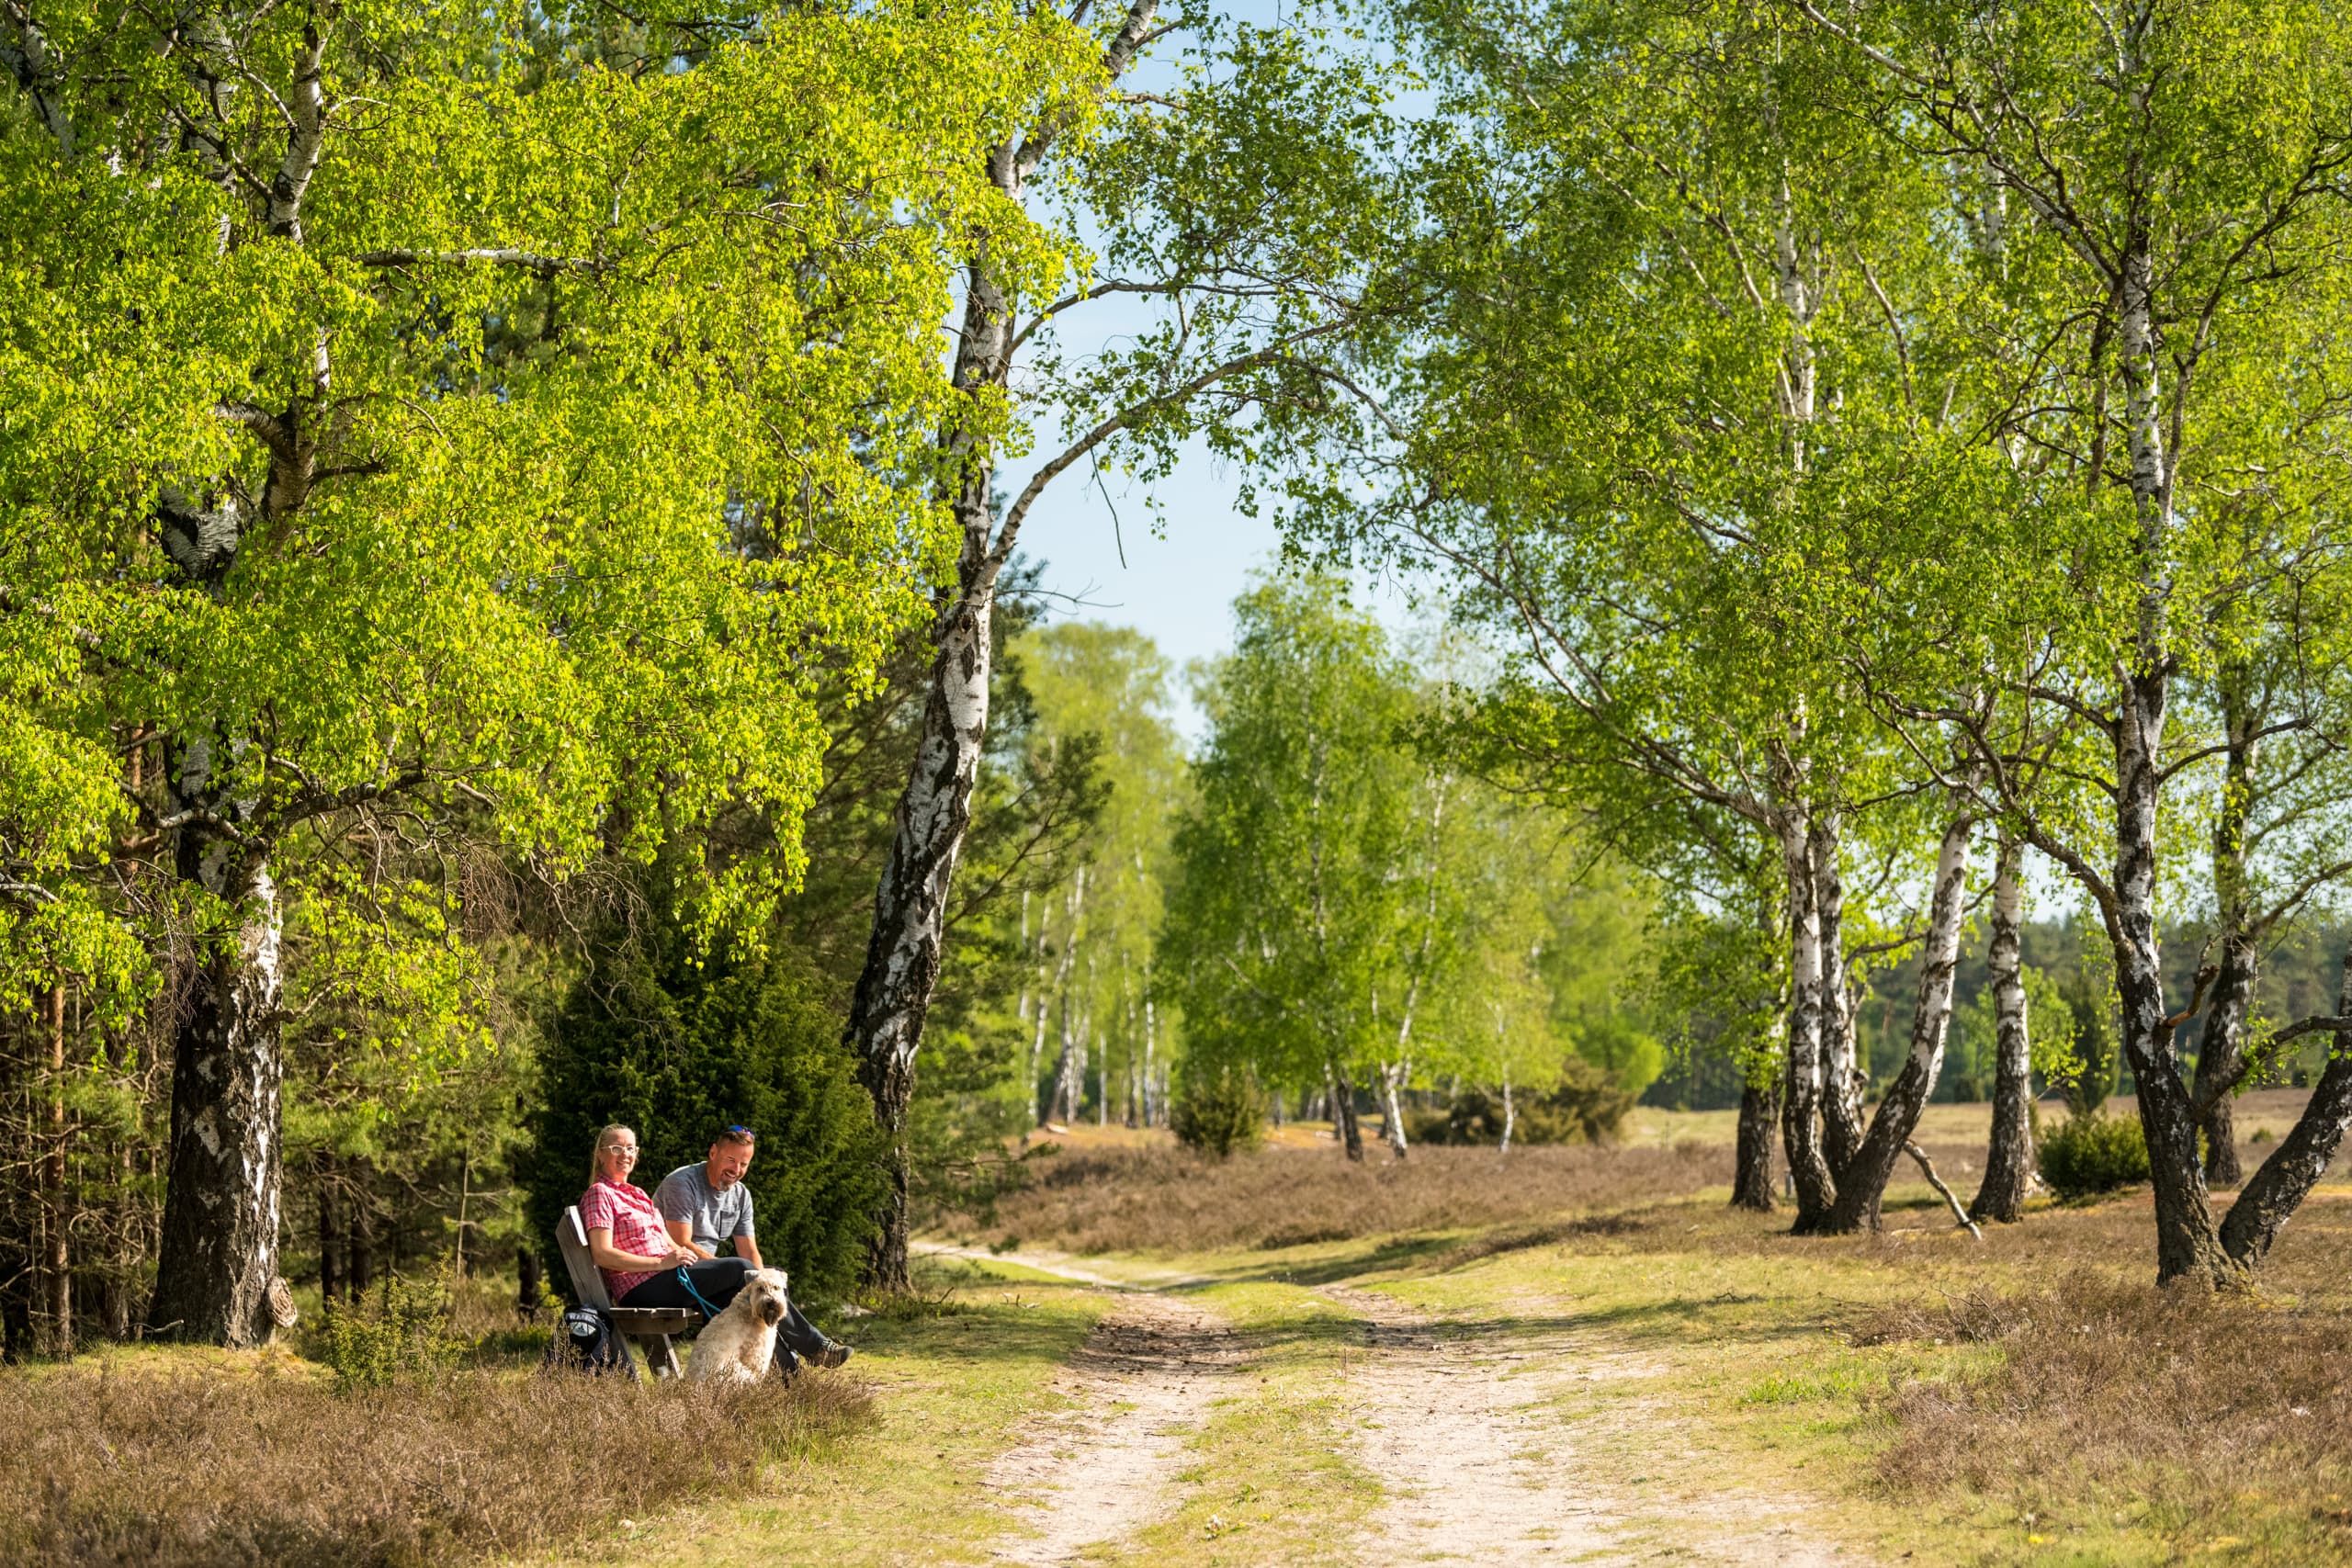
{"points": [[636, 1226]]}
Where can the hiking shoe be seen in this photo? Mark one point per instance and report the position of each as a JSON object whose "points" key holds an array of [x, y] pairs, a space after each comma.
{"points": [[832, 1355]]}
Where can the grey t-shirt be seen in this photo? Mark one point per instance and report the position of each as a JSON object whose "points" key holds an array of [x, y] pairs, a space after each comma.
{"points": [[686, 1195]]}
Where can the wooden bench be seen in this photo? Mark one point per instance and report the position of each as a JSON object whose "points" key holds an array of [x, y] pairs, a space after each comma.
{"points": [[649, 1328]]}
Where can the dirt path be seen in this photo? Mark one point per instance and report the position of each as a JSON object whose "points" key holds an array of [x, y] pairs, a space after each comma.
{"points": [[1457, 1433], [1489, 1445], [1483, 1464], [1103, 1467]]}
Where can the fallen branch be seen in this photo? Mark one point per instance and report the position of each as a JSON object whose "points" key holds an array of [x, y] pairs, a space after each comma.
{"points": [[1927, 1168]]}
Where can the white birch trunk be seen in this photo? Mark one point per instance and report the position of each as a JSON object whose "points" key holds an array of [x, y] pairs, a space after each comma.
{"points": [[2008, 1155], [1154, 1103], [1392, 1107], [904, 954], [1859, 1194], [2187, 1240], [1809, 1175], [218, 1245], [1841, 1079]]}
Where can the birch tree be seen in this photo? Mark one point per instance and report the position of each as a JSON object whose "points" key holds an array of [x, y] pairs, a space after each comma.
{"points": [[2181, 164], [1111, 684], [1295, 920], [1257, 277], [1688, 326], [2008, 1156]]}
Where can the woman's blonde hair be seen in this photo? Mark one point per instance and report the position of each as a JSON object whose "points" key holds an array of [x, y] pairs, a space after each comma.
{"points": [[603, 1141]]}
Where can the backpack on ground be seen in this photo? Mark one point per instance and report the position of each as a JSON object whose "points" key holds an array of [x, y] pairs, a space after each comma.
{"points": [[584, 1342]]}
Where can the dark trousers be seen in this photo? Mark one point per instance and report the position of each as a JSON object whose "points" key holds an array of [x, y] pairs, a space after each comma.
{"points": [[716, 1279]]}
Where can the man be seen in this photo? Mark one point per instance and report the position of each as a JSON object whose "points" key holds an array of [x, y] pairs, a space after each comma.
{"points": [[706, 1204]]}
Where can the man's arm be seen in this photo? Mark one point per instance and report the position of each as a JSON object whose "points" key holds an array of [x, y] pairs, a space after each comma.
{"points": [[747, 1247]]}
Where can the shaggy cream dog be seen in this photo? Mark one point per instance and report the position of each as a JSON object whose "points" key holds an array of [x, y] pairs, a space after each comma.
{"points": [[739, 1343]]}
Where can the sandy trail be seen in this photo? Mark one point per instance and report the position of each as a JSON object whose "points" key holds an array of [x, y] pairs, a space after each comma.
{"points": [[1481, 1464], [1104, 1467], [1457, 1433], [1466, 1427]]}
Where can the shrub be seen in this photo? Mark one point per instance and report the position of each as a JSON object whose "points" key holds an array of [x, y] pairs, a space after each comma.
{"points": [[1432, 1126], [1585, 1106], [404, 1331], [1173, 1200], [220, 1461], [2126, 1388], [679, 1045], [1217, 1115], [1587, 1103], [2092, 1153]]}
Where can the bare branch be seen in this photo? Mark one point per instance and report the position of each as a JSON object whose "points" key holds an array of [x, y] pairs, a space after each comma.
{"points": [[529, 261]]}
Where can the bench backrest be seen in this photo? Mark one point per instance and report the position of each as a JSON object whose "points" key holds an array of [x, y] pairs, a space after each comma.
{"points": [[587, 1281]]}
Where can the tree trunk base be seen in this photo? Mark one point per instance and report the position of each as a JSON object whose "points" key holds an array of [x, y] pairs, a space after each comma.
{"points": [[1759, 1115]]}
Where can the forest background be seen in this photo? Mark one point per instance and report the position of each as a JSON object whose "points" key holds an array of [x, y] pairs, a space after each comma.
{"points": [[515, 617]]}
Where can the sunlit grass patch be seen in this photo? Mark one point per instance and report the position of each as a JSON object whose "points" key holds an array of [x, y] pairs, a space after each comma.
{"points": [[1807, 1388]]}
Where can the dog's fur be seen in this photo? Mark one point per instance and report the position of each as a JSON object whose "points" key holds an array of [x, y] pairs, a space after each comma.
{"points": [[739, 1343]]}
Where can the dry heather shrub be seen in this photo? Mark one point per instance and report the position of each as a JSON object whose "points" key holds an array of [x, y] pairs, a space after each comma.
{"points": [[1972, 1316], [181, 1470], [2116, 1388], [1170, 1200]]}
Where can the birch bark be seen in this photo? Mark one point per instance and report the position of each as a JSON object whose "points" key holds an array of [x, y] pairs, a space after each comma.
{"points": [[1391, 1110], [218, 1247], [2186, 1242], [1759, 1110], [1343, 1109], [892, 998], [2008, 1159], [1153, 1102], [903, 955], [1801, 1126], [1859, 1194], [2287, 1178], [2222, 1049], [1841, 1079]]}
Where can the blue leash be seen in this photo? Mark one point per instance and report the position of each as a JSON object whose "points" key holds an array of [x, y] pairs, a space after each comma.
{"points": [[709, 1311]]}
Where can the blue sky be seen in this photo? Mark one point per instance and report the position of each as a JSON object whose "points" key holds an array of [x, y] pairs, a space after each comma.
{"points": [[1177, 586]]}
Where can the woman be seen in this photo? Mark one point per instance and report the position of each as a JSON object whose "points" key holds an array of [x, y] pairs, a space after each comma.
{"points": [[643, 1267]]}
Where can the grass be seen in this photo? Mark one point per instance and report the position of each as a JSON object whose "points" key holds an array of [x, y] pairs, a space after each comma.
{"points": [[168, 1459], [1914, 1395], [1160, 1199], [2032, 1399], [950, 1387], [2223, 1418]]}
